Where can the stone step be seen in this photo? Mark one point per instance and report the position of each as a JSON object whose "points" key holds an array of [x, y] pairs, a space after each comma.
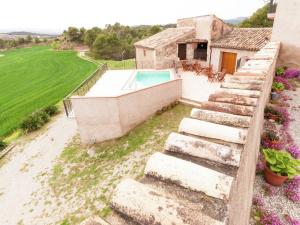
{"points": [[189, 175], [203, 149], [212, 130], [239, 80], [146, 205], [246, 78], [221, 118], [256, 87], [233, 99], [246, 93], [252, 72], [228, 108]]}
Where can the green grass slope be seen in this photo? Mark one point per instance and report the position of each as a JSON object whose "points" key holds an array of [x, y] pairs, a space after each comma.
{"points": [[32, 78]]}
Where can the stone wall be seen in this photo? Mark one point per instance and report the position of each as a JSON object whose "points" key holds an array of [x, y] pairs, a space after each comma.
{"points": [[145, 58], [242, 191], [166, 55], [286, 29]]}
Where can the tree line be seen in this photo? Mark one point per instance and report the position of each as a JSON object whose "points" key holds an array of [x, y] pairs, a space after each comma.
{"points": [[114, 41], [20, 41]]}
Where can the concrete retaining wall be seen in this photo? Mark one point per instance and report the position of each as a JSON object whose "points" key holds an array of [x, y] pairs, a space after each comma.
{"points": [[103, 118]]}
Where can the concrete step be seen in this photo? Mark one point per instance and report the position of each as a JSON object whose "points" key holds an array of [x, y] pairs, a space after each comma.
{"points": [[200, 148], [212, 130], [256, 87], [146, 205], [228, 108], [221, 118], [239, 80], [189, 175], [246, 93], [233, 99]]}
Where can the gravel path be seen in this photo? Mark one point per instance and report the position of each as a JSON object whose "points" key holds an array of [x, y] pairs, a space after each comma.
{"points": [[279, 203], [19, 175]]}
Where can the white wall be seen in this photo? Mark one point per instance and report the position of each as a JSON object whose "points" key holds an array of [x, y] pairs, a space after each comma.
{"points": [[286, 29], [216, 56], [197, 88], [104, 118]]}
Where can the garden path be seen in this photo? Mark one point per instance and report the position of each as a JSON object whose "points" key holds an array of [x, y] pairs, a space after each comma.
{"points": [[19, 175]]}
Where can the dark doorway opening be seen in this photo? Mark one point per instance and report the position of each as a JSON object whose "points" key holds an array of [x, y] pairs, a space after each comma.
{"points": [[182, 51], [201, 51]]}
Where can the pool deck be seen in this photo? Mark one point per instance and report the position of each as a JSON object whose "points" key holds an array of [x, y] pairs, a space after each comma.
{"points": [[114, 83]]}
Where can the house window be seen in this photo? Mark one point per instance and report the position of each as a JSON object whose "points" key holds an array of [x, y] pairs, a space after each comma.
{"points": [[144, 52], [201, 51]]}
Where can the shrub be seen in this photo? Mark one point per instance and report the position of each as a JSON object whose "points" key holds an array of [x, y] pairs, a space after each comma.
{"points": [[278, 86], [282, 163], [51, 110], [2, 145], [275, 114], [280, 71], [35, 121]]}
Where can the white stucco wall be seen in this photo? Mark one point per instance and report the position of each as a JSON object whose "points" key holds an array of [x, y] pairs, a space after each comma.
{"points": [[216, 56], [286, 29], [104, 118]]}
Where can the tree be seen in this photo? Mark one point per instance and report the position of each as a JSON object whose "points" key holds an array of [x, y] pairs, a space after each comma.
{"points": [[2, 44], [258, 19], [155, 29], [81, 34], [91, 35], [28, 39], [37, 40], [72, 34], [107, 46]]}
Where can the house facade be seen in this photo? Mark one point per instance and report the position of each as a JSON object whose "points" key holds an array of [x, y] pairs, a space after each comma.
{"points": [[206, 39]]}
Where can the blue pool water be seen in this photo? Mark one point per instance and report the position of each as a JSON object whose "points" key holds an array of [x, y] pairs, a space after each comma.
{"points": [[149, 78]]}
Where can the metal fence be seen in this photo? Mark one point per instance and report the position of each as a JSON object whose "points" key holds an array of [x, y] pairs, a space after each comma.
{"points": [[83, 88]]}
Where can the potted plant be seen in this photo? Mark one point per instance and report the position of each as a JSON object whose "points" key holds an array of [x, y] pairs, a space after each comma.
{"points": [[280, 166], [280, 71], [277, 87], [270, 139]]}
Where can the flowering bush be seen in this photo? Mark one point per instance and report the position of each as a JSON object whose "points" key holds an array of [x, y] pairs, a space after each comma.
{"points": [[293, 189], [292, 221], [291, 73], [258, 201], [283, 81], [275, 114], [270, 219], [260, 166], [294, 150], [270, 190]]}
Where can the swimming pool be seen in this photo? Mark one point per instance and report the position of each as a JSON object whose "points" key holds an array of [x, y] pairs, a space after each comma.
{"points": [[150, 78]]}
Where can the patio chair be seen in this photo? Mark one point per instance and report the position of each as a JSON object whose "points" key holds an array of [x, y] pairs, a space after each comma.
{"points": [[221, 75]]}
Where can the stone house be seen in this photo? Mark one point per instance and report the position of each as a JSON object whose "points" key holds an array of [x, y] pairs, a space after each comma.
{"points": [[206, 39]]}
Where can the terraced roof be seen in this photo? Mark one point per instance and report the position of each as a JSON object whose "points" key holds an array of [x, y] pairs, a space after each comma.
{"points": [[252, 39], [165, 37]]}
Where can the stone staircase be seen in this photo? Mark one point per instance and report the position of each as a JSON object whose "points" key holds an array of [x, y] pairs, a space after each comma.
{"points": [[192, 181]]}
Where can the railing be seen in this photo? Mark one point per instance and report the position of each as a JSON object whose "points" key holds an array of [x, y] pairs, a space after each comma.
{"points": [[83, 88]]}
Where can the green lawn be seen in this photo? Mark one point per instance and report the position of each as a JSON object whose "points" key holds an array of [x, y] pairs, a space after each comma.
{"points": [[32, 78], [114, 65]]}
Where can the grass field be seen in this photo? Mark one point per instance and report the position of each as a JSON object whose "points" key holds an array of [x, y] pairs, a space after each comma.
{"points": [[113, 64], [32, 78]]}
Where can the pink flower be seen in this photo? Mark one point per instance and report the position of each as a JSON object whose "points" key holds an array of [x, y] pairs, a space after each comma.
{"points": [[293, 189]]}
